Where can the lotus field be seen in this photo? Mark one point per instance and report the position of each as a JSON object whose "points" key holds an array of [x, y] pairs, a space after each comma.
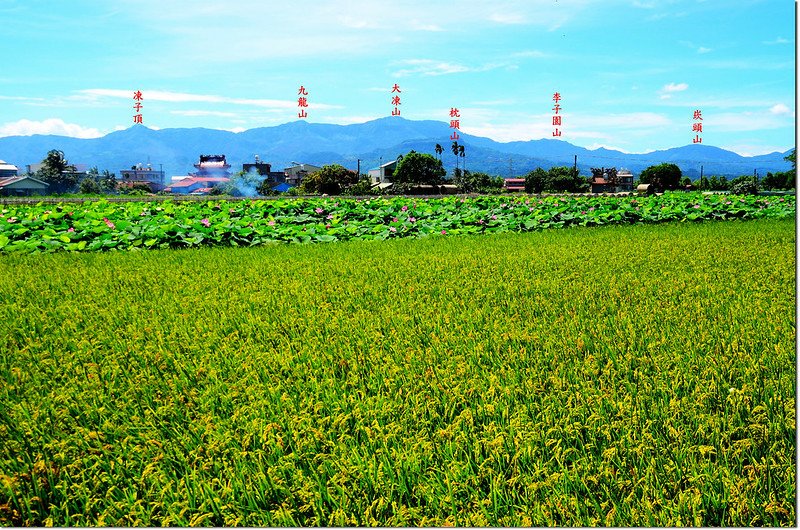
{"points": [[146, 225], [620, 375]]}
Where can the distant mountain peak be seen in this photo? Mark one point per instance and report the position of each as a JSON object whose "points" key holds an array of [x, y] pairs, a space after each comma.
{"points": [[370, 142]]}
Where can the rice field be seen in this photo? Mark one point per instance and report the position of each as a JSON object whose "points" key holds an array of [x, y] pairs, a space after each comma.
{"points": [[621, 375]]}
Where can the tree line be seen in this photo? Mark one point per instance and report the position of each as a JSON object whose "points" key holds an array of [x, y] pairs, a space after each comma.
{"points": [[415, 170]]}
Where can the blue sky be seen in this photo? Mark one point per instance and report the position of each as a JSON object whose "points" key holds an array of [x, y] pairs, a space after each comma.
{"points": [[630, 72]]}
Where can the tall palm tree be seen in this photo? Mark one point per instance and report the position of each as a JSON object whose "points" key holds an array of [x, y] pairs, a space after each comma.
{"points": [[438, 150], [454, 148], [463, 156]]}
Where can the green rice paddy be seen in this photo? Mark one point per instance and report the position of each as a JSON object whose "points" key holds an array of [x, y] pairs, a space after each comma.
{"points": [[627, 376]]}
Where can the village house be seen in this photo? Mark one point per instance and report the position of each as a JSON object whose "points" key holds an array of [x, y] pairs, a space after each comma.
{"points": [[211, 170], [381, 176], [295, 174], [609, 180], [264, 169], [7, 170], [13, 184], [141, 176]]}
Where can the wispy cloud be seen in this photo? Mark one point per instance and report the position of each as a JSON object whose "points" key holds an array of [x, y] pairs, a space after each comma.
{"points": [[507, 18], [780, 109], [703, 49], [185, 97], [23, 99], [329, 27], [429, 67], [48, 126], [752, 149], [675, 87], [778, 40], [668, 89], [530, 53], [743, 121]]}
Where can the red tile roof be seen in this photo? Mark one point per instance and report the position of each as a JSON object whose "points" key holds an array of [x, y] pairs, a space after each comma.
{"points": [[194, 180]]}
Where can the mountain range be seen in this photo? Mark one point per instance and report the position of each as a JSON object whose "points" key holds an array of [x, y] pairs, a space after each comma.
{"points": [[371, 143]]}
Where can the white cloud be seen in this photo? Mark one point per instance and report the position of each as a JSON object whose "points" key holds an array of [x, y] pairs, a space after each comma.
{"points": [[510, 132], [743, 121], [184, 97], [753, 149], [781, 110], [429, 67], [530, 53], [778, 40], [23, 99], [702, 49], [599, 128], [674, 87], [325, 28], [49, 126], [507, 18]]}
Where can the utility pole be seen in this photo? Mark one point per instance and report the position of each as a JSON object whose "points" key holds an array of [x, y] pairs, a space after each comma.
{"points": [[510, 168], [575, 164], [358, 171], [701, 172]]}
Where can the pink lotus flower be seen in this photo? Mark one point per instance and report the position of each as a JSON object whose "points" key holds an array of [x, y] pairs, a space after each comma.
{"points": [[327, 226], [71, 229], [205, 222], [444, 232], [494, 217], [108, 223], [412, 219], [392, 229], [271, 223], [319, 210], [394, 219], [404, 208], [330, 216]]}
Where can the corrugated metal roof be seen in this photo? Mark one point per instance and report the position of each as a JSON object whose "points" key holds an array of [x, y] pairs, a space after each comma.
{"points": [[11, 180]]}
